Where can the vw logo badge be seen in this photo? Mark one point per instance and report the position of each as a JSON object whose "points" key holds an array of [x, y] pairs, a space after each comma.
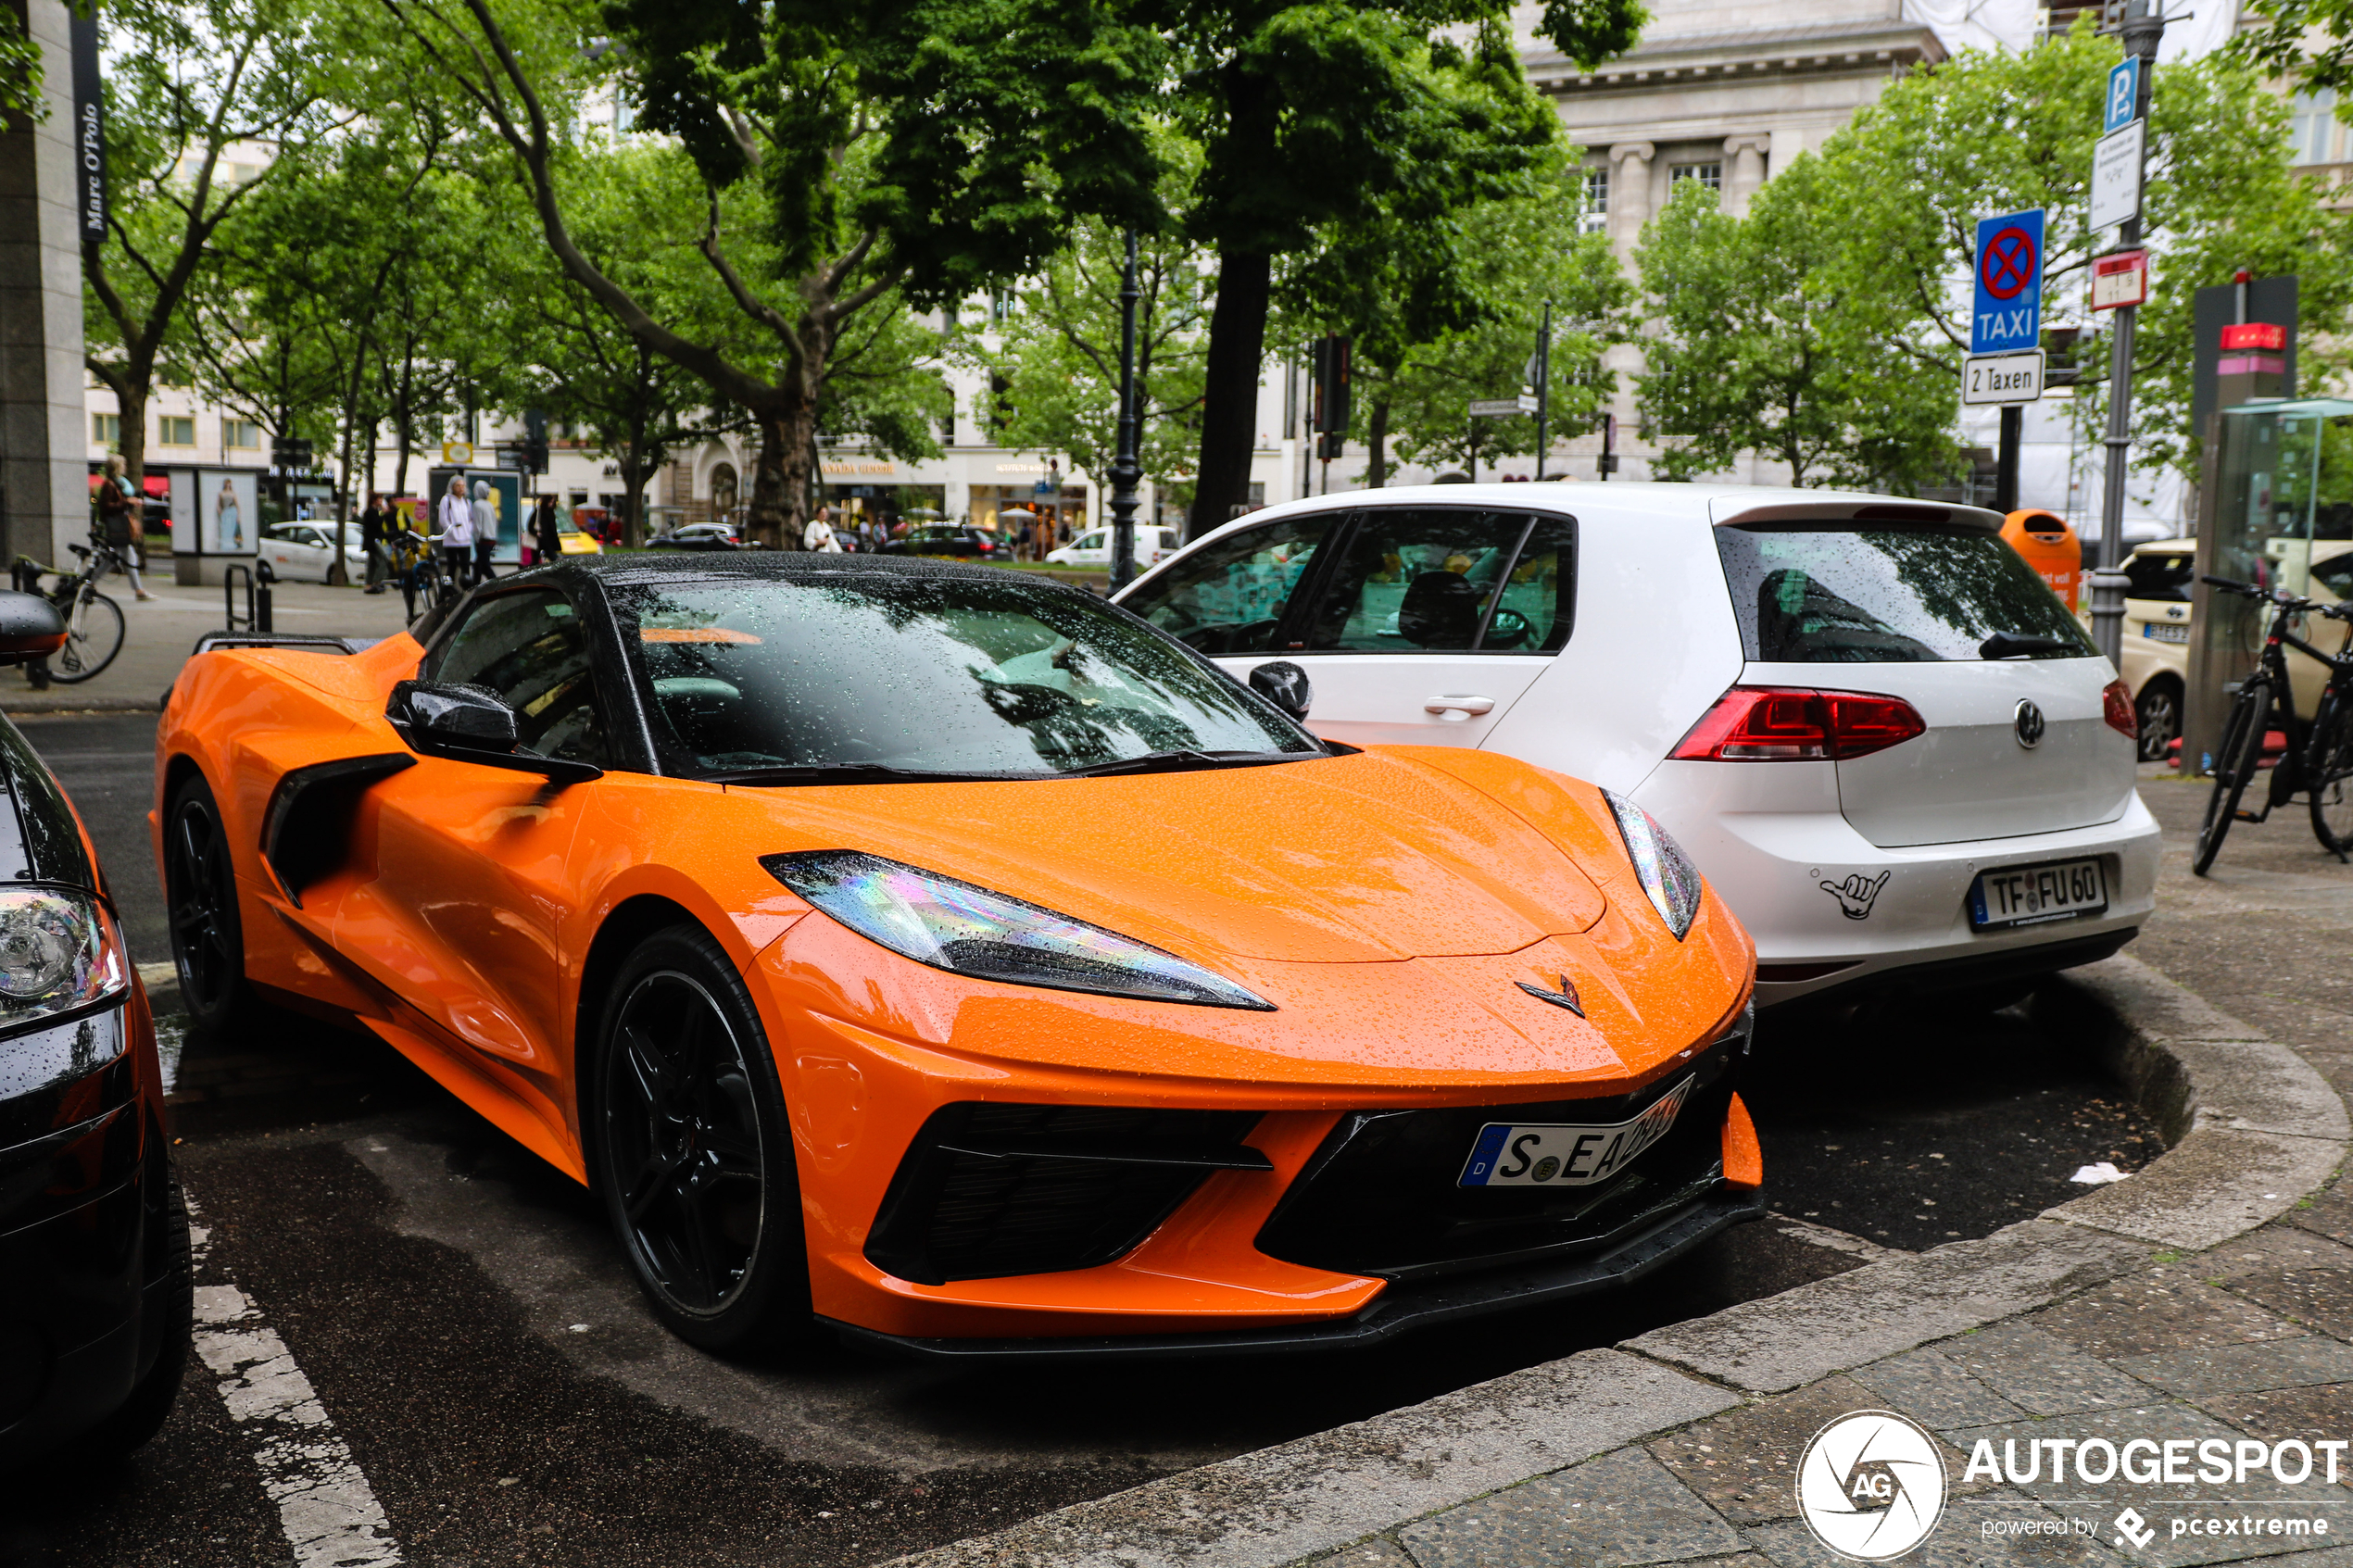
{"points": [[2028, 723]]}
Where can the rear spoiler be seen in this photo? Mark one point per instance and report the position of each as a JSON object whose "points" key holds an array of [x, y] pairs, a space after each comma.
{"points": [[1900, 514]]}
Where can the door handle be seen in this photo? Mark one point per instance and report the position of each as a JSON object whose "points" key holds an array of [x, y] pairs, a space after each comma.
{"points": [[1457, 710]]}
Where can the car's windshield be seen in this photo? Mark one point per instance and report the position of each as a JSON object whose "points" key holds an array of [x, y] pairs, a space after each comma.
{"points": [[931, 674], [1834, 594], [2160, 574]]}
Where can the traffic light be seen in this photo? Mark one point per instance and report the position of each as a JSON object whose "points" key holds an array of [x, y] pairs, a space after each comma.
{"points": [[1332, 355]]}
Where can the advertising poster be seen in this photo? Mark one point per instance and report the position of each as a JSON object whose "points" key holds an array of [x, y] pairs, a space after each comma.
{"points": [[506, 497], [229, 510]]}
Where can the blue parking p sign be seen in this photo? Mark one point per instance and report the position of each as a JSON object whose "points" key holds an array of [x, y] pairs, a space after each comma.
{"points": [[2008, 315], [2123, 94]]}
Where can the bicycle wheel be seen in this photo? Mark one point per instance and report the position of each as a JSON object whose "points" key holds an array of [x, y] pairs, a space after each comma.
{"points": [[2328, 774], [94, 636], [2234, 769]]}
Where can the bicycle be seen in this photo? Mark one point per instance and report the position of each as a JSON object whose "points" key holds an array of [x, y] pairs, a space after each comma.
{"points": [[2321, 766], [94, 623], [418, 571]]}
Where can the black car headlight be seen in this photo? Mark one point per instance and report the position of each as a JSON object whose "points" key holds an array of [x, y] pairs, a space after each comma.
{"points": [[59, 951], [967, 929]]}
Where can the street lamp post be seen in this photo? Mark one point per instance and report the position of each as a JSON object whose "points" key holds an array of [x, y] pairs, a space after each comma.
{"points": [[2143, 25], [1124, 469]]}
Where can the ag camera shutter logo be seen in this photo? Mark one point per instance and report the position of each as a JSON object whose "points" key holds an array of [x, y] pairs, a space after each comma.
{"points": [[1871, 1486]]}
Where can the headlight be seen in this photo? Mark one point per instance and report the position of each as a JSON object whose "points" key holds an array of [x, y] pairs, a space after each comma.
{"points": [[58, 950], [956, 926], [1668, 874]]}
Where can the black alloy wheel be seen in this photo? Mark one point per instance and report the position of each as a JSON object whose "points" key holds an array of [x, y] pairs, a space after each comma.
{"points": [[2158, 710], [200, 896], [692, 1149]]}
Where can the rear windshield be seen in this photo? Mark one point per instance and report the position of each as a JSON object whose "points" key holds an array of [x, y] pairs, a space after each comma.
{"points": [[1890, 595], [2162, 576]]}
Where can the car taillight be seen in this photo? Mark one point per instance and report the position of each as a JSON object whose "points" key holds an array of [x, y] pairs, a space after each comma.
{"points": [[1779, 724], [2116, 707]]}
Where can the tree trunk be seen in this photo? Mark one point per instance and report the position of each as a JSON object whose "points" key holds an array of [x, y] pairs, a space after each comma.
{"points": [[1229, 391], [132, 402], [1377, 417], [781, 475]]}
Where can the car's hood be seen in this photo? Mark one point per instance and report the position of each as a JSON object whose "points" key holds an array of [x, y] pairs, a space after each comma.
{"points": [[1366, 857]]}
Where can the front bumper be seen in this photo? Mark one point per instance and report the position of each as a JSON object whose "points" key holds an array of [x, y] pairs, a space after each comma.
{"points": [[1769, 838], [1399, 1310]]}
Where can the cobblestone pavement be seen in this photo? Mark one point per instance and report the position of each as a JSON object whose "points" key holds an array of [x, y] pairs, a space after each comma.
{"points": [[2248, 1344]]}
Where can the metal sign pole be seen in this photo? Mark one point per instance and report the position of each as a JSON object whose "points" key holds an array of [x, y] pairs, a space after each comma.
{"points": [[1125, 469], [2142, 30], [1544, 386]]}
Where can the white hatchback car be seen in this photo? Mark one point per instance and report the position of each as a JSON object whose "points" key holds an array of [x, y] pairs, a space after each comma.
{"points": [[1093, 547], [1888, 744], [299, 552]]}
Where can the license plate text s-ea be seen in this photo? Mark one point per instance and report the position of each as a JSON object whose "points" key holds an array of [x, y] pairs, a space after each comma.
{"points": [[1555, 1154]]}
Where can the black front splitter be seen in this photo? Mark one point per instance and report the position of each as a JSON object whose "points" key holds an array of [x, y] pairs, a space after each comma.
{"points": [[1399, 1310]]}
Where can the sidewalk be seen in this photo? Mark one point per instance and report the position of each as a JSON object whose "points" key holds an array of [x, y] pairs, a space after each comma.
{"points": [[158, 632], [2206, 1299]]}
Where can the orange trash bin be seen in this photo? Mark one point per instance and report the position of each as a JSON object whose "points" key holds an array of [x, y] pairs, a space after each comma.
{"points": [[2045, 542]]}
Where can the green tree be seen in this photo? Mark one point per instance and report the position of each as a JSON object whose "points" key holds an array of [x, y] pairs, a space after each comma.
{"points": [[1766, 340], [185, 86], [1311, 116]]}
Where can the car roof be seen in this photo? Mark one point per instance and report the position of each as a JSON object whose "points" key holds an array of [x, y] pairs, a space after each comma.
{"points": [[1642, 499], [629, 570]]}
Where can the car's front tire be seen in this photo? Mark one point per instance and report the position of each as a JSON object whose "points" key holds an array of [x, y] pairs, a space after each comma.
{"points": [[691, 1149]]}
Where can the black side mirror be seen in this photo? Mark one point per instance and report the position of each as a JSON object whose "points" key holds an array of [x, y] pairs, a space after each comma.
{"points": [[471, 725], [1285, 685], [30, 627]]}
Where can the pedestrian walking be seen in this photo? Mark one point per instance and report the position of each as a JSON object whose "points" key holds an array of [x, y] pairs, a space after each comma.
{"points": [[547, 539], [486, 529], [454, 530], [372, 543], [119, 515]]}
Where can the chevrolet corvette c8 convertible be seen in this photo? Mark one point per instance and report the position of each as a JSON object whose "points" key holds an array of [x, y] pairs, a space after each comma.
{"points": [[960, 961]]}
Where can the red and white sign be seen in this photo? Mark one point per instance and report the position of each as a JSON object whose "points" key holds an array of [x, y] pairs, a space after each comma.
{"points": [[2119, 280], [2255, 335]]}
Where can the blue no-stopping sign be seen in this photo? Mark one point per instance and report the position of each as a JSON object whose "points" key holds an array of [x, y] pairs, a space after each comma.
{"points": [[2008, 315]]}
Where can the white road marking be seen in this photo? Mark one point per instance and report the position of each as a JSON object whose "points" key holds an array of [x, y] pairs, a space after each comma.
{"points": [[330, 1516]]}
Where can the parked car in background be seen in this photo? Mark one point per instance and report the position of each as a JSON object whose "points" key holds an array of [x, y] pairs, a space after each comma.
{"points": [[1878, 733], [302, 552], [1093, 547], [95, 1300], [961, 540], [698, 537], [2156, 643]]}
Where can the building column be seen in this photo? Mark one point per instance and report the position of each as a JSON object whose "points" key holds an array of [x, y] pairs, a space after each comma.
{"points": [[44, 500], [1630, 194], [1744, 170]]}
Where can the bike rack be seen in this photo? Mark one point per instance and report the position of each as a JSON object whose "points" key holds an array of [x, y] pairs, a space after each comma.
{"points": [[257, 579]]}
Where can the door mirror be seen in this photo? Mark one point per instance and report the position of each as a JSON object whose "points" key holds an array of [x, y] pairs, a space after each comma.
{"points": [[30, 627], [1285, 685], [471, 725]]}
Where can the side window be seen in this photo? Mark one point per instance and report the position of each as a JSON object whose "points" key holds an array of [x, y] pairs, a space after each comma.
{"points": [[1228, 596], [531, 649], [1415, 580]]}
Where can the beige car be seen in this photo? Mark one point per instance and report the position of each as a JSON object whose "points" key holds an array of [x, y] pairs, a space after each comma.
{"points": [[2155, 660], [2157, 623]]}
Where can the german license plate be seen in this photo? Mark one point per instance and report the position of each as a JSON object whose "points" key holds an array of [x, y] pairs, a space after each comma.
{"points": [[2158, 630], [2031, 895], [1523, 1154]]}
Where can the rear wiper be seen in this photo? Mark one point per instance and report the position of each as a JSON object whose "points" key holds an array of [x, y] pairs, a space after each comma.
{"points": [[2009, 645], [1179, 761], [844, 774]]}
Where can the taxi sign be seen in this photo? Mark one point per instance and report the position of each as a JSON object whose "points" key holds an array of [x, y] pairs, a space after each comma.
{"points": [[2007, 316], [2002, 378]]}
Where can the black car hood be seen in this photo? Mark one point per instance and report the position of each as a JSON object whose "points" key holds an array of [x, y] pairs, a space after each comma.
{"points": [[40, 838]]}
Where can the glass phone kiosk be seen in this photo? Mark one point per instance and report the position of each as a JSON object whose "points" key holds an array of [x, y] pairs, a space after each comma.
{"points": [[2283, 518]]}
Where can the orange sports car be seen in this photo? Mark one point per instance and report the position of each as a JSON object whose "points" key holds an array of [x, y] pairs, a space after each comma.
{"points": [[957, 959]]}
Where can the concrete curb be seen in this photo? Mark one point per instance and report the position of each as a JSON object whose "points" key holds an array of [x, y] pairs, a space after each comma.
{"points": [[2254, 1128], [51, 704]]}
